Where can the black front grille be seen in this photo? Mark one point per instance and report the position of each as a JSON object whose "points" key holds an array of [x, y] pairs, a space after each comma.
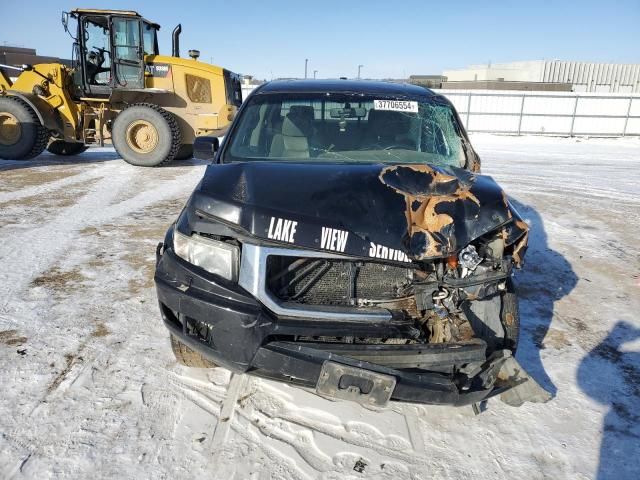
{"points": [[319, 281]]}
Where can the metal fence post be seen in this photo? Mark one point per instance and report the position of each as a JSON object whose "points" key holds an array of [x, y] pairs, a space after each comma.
{"points": [[626, 120], [468, 112], [573, 116], [521, 110]]}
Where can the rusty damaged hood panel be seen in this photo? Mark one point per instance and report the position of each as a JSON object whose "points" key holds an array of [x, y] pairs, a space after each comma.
{"points": [[357, 209]]}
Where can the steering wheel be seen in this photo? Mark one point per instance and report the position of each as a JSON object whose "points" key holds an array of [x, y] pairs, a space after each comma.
{"points": [[95, 66], [101, 55]]}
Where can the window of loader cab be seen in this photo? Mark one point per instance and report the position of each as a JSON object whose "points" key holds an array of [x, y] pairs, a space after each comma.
{"points": [[346, 128], [233, 88], [127, 45], [97, 50], [127, 39], [149, 39]]}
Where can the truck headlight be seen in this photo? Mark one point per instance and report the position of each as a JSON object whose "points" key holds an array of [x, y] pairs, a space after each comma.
{"points": [[211, 255]]}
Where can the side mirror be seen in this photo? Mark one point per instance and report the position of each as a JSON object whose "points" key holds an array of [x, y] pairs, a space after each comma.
{"points": [[205, 148], [65, 21]]}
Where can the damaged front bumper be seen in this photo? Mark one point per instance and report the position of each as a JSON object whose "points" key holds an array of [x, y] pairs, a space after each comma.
{"points": [[236, 327]]}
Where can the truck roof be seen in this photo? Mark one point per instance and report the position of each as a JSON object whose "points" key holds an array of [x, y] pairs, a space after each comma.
{"points": [[124, 13], [342, 86]]}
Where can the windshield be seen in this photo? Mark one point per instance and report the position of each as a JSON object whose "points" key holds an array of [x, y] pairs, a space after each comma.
{"points": [[346, 127]]}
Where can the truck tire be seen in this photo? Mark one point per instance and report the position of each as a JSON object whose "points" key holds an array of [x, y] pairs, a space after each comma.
{"points": [[510, 317], [60, 147], [188, 357], [496, 319], [22, 136], [146, 135], [185, 152]]}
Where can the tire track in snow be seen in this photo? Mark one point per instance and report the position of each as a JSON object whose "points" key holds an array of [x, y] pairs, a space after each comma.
{"points": [[82, 176], [266, 410], [49, 241]]}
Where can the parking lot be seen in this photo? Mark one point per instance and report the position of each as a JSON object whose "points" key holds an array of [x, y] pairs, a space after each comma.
{"points": [[91, 388]]}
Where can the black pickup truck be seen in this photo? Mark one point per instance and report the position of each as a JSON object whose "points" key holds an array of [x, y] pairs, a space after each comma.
{"points": [[343, 239]]}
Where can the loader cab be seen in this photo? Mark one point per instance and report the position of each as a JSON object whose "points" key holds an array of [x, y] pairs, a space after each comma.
{"points": [[109, 50]]}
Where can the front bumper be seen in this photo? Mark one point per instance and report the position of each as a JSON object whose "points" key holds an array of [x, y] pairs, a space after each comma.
{"points": [[233, 329]]}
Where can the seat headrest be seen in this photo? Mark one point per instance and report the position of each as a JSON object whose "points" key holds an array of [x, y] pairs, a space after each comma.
{"points": [[298, 122], [384, 122], [302, 111]]}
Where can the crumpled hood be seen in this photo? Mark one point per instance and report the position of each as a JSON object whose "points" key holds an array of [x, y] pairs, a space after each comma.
{"points": [[396, 212]]}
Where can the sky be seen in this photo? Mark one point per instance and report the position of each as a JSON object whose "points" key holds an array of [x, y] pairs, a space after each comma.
{"points": [[391, 39]]}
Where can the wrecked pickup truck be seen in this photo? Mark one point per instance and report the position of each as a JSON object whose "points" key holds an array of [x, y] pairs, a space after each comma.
{"points": [[344, 240]]}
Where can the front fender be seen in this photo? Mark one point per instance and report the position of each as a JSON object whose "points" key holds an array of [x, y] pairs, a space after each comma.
{"points": [[47, 115]]}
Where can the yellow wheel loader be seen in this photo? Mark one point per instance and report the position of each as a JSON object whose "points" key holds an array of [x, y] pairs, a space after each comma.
{"points": [[119, 90]]}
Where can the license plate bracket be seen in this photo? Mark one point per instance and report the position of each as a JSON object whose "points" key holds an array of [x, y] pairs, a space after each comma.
{"points": [[356, 384]]}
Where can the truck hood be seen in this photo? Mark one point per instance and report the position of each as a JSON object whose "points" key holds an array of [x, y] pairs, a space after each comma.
{"points": [[395, 212]]}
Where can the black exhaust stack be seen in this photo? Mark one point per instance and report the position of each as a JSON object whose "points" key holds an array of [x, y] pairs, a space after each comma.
{"points": [[175, 46]]}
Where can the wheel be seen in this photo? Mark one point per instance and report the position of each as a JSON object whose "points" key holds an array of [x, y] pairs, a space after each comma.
{"points": [[185, 152], [496, 319], [510, 317], [21, 135], [146, 135], [189, 357], [60, 147]]}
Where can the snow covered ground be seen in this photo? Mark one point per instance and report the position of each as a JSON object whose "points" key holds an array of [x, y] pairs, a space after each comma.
{"points": [[90, 387]]}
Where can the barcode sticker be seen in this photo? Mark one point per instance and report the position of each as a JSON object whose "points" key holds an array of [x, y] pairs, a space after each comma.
{"points": [[396, 105]]}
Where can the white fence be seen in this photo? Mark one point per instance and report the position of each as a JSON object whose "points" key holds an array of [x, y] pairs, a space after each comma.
{"points": [[542, 113], [547, 113]]}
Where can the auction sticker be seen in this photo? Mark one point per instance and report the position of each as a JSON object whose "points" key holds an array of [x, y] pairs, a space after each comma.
{"points": [[396, 105]]}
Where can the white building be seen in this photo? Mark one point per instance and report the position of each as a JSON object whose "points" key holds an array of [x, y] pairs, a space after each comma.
{"points": [[584, 76]]}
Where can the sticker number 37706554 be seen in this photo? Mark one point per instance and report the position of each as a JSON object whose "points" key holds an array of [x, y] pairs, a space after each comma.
{"points": [[396, 105]]}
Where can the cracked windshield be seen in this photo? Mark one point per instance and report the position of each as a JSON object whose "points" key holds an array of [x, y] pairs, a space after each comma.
{"points": [[347, 128]]}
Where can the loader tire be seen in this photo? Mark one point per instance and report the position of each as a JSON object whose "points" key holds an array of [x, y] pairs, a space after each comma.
{"points": [[22, 136], [185, 152], [146, 135], [60, 147], [188, 357]]}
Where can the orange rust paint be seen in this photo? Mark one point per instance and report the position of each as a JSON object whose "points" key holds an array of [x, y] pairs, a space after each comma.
{"points": [[508, 318], [474, 164], [424, 218], [452, 261], [521, 244], [505, 199]]}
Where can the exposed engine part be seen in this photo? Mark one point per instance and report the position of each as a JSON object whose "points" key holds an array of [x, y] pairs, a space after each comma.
{"points": [[337, 282], [495, 248], [424, 295], [468, 258], [439, 329], [441, 294]]}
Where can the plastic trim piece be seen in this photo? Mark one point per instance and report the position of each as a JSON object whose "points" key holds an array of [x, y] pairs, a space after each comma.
{"points": [[253, 274]]}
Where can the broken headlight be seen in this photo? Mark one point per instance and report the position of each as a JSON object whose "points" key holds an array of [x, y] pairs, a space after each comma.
{"points": [[214, 256]]}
